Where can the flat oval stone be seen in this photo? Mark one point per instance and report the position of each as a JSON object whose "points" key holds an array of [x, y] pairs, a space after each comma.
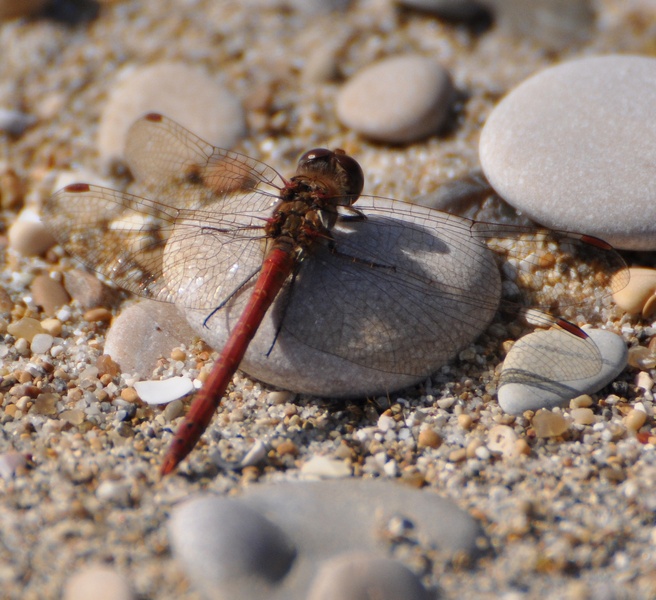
{"points": [[570, 148], [397, 100], [548, 368], [343, 335]]}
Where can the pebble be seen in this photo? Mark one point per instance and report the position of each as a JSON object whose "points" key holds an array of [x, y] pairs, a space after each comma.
{"points": [[165, 390], [98, 582], [635, 419], [502, 439], [568, 147], [353, 576], [548, 368], [549, 424], [398, 100], [275, 540], [116, 492], [143, 333], [325, 468], [87, 289], [429, 438], [28, 236], [98, 314], [303, 358], [639, 295], [583, 416], [41, 343], [48, 294], [185, 93], [25, 328], [225, 545]]}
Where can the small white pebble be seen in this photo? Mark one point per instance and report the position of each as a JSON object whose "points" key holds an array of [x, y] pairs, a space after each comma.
{"points": [[41, 343], [164, 391]]}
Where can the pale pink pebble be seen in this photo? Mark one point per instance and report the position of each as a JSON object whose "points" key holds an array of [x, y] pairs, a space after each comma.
{"points": [[97, 582], [29, 238], [144, 333], [183, 92]]}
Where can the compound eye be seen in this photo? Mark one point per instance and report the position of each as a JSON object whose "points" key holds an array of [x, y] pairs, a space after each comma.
{"points": [[316, 154], [353, 173]]}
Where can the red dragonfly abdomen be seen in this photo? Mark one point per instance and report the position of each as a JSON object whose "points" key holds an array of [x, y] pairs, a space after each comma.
{"points": [[276, 268]]}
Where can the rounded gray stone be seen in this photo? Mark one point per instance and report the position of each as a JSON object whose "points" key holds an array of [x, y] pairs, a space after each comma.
{"points": [[354, 576], [547, 368], [342, 334], [571, 148], [397, 100], [227, 548]]}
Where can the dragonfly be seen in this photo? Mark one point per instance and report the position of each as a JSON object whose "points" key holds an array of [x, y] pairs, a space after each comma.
{"points": [[391, 287]]}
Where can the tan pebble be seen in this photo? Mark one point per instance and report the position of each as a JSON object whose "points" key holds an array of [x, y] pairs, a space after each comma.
{"points": [[583, 416], [429, 438], [501, 439], [287, 447], [11, 410], [97, 314], [45, 404], [178, 354], [97, 581], [549, 424], [458, 455], [582, 401], [465, 421], [635, 419], [26, 328], [472, 447], [52, 326], [29, 238], [277, 398], [6, 303], [522, 447], [129, 394], [48, 294], [639, 295], [107, 366], [74, 417]]}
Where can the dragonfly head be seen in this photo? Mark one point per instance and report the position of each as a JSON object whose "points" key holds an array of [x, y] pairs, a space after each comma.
{"points": [[341, 175]]}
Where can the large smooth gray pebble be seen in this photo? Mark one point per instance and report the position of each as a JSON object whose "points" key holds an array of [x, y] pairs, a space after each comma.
{"points": [[548, 368], [351, 330], [571, 148]]}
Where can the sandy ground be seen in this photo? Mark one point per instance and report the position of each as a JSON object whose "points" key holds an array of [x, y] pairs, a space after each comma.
{"points": [[571, 519]]}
